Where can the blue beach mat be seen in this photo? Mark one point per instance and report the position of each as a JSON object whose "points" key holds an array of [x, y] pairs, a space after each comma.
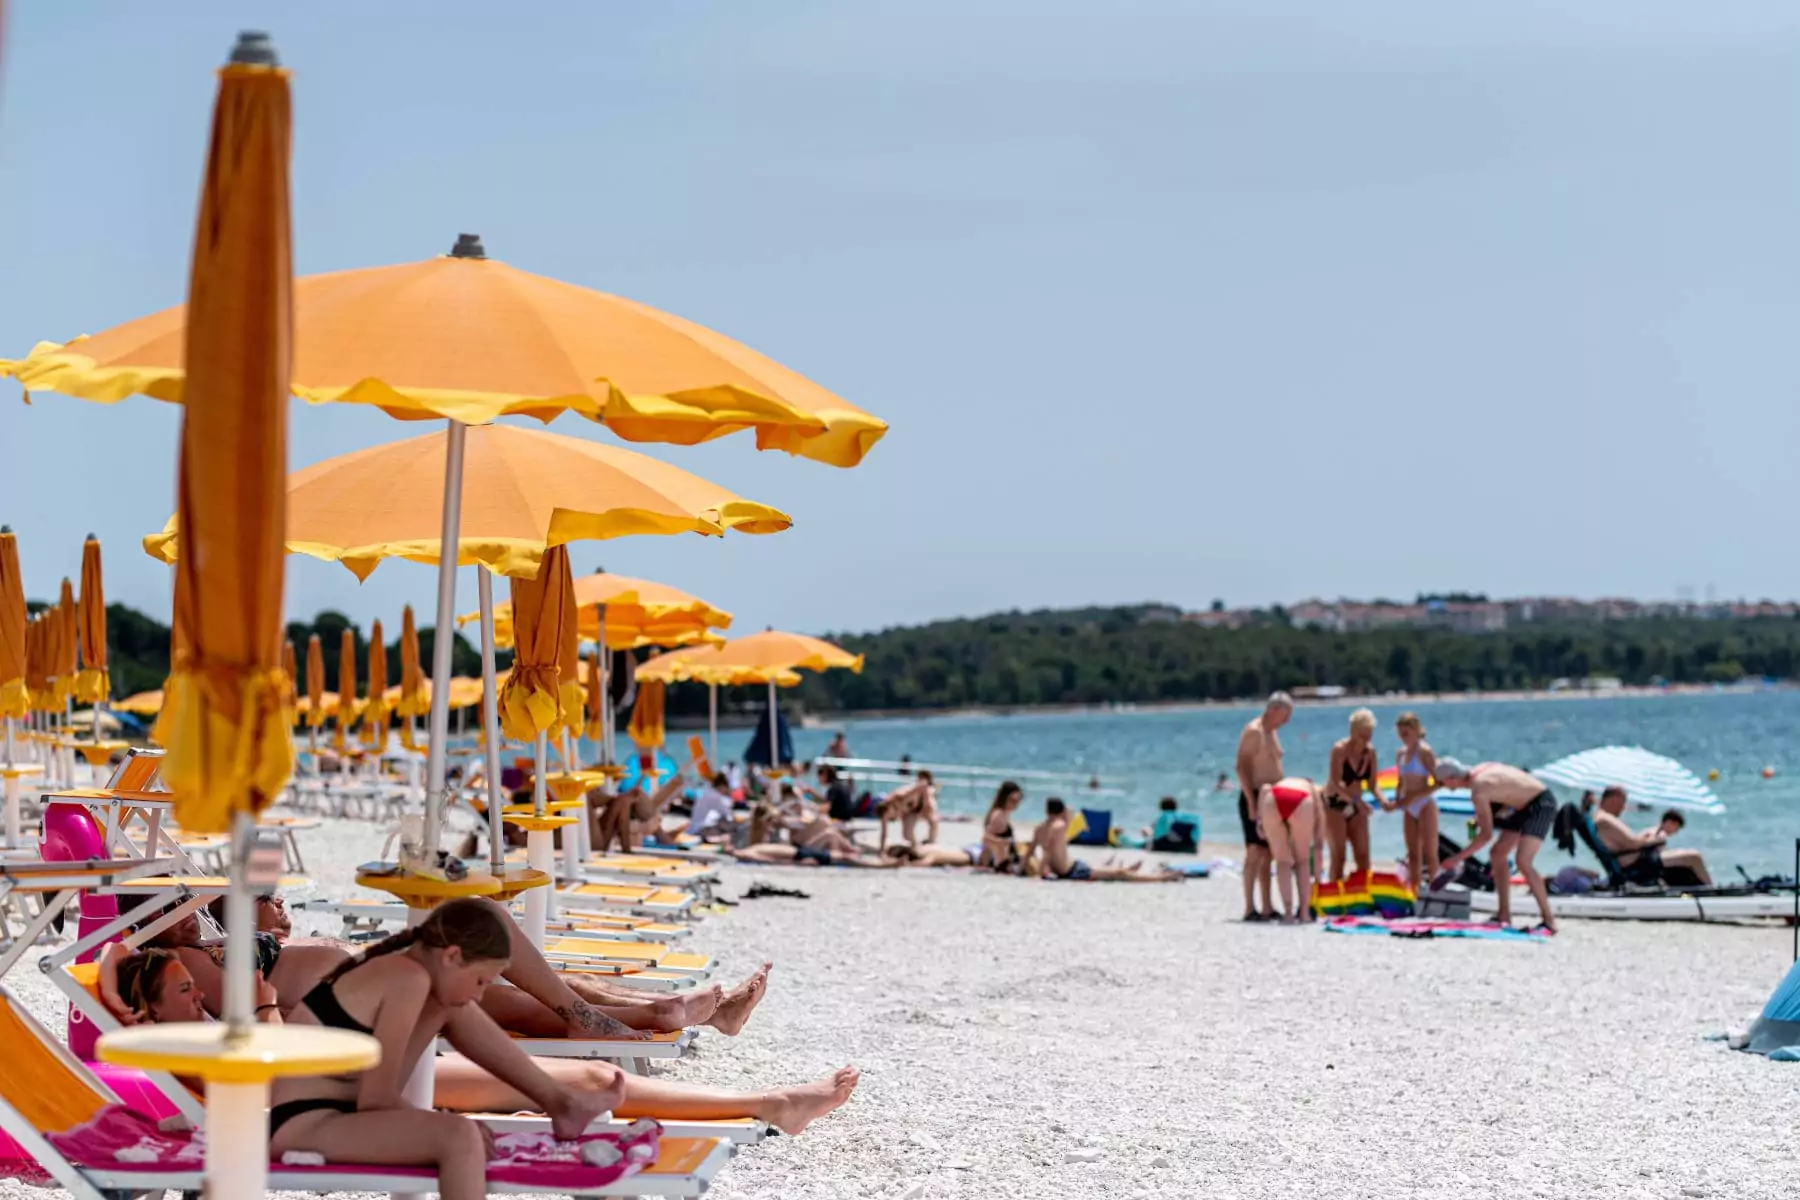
{"points": [[1416, 927]]}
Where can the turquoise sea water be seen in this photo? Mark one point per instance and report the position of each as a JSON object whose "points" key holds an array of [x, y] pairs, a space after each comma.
{"points": [[1160, 753]]}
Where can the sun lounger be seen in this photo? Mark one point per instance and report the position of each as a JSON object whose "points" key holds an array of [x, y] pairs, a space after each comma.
{"points": [[49, 1099], [641, 954], [634, 1056], [742, 1131], [652, 901]]}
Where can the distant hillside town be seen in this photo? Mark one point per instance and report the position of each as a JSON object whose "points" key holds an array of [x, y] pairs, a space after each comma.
{"points": [[1463, 613]]}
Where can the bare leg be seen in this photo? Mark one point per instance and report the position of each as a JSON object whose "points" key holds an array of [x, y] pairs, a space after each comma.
{"points": [[1264, 882], [1301, 827], [1281, 848], [735, 1009], [642, 1010], [1358, 830], [465, 1087], [1250, 854], [1499, 860], [1129, 875], [1414, 863], [396, 1138], [1534, 879], [1690, 859], [474, 1033], [1337, 831], [1428, 843]]}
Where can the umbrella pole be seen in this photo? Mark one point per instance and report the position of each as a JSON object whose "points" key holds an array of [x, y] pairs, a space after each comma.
{"points": [[490, 719], [606, 712], [443, 638], [12, 792], [712, 723], [236, 1113], [774, 731]]}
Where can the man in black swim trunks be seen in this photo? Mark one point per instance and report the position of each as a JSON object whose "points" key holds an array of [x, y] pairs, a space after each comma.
{"points": [[1515, 811], [1258, 765]]}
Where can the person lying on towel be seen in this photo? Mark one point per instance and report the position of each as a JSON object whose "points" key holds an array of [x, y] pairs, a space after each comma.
{"points": [[1049, 855]]}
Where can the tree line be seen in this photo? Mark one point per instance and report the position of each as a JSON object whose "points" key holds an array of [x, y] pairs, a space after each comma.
{"points": [[1133, 654]]}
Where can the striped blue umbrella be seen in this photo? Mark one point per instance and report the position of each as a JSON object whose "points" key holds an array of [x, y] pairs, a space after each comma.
{"points": [[1648, 779]]}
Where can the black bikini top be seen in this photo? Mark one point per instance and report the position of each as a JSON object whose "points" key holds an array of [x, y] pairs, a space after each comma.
{"points": [[322, 1002]]}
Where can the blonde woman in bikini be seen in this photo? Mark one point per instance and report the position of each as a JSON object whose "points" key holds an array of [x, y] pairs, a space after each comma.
{"points": [[1350, 773], [1415, 793]]}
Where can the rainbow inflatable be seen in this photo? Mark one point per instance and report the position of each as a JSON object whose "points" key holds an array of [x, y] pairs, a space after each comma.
{"points": [[1370, 894]]}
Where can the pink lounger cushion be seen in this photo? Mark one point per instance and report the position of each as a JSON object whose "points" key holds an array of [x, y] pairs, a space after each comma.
{"points": [[119, 1139]]}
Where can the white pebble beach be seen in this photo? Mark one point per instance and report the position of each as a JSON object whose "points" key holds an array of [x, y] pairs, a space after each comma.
{"points": [[1020, 1039]]}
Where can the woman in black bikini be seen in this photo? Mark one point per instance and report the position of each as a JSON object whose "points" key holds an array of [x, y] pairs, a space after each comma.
{"points": [[997, 847], [424, 983], [1352, 768]]}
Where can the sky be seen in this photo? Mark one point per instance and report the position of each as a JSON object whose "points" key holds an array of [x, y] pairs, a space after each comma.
{"points": [[1163, 301]]}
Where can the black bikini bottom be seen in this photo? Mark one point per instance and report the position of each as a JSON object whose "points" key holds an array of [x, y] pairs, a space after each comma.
{"points": [[281, 1114]]}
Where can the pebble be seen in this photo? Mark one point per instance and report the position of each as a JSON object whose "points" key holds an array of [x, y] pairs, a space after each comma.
{"points": [[1087, 1155]]}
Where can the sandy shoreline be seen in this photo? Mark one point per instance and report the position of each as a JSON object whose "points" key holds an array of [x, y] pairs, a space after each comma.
{"points": [[1003, 1025]]}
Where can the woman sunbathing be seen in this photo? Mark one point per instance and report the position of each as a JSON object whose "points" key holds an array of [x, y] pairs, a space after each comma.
{"points": [[421, 984], [541, 1002]]}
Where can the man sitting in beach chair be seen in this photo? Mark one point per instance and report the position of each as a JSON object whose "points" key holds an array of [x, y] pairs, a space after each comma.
{"points": [[1049, 855], [1645, 857]]}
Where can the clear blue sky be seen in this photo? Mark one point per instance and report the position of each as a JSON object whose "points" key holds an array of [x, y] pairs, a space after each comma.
{"points": [[1162, 300]]}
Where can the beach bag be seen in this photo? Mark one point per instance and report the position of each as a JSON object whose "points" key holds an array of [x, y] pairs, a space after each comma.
{"points": [[1451, 904]]}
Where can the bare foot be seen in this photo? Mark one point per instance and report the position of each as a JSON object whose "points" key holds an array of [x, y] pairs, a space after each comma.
{"points": [[792, 1109], [697, 1008], [586, 1021], [735, 1009], [583, 1106]]}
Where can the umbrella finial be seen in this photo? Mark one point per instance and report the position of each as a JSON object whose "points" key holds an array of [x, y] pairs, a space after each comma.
{"points": [[92, 538], [254, 49], [468, 245], [5, 528]]}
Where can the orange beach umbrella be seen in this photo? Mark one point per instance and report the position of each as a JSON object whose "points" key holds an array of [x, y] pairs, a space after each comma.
{"points": [[646, 729], [92, 684], [348, 710], [14, 697], [638, 612], [315, 682], [413, 698], [65, 648], [530, 699], [375, 717], [289, 678]]}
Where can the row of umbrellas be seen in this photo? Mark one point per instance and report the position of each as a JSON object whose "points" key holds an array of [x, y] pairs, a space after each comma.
{"points": [[57, 657], [463, 339]]}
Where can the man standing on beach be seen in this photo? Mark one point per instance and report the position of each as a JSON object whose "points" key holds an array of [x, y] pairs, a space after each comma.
{"points": [[1258, 765], [1518, 806]]}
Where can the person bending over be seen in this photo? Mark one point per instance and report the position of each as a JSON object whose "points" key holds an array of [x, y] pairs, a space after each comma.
{"points": [[1288, 813], [906, 805], [1515, 811]]}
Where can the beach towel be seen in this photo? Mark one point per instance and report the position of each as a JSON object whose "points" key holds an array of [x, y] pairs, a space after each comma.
{"points": [[121, 1139], [1414, 927], [1091, 827], [1367, 894]]}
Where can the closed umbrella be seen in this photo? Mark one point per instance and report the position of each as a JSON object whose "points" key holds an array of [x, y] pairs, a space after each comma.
{"points": [[315, 691], [347, 707], [229, 751], [375, 717], [413, 698], [15, 698], [67, 650], [290, 679], [595, 708], [647, 732], [92, 684]]}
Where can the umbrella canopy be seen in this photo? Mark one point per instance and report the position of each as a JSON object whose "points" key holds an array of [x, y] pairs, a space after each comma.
{"points": [[92, 684], [65, 649], [15, 698], [699, 664], [646, 729], [225, 728], [596, 704], [766, 655], [523, 491], [1647, 778], [639, 613], [471, 338], [375, 717], [142, 704], [314, 703], [413, 698], [465, 692], [530, 700]]}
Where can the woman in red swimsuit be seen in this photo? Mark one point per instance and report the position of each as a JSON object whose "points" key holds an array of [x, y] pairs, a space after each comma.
{"points": [[1288, 817]]}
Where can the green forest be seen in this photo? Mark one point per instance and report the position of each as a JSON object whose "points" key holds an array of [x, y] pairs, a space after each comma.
{"points": [[1132, 654]]}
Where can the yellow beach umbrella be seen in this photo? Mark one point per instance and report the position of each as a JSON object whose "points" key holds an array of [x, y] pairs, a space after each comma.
{"points": [[638, 612], [290, 676], [465, 692], [767, 657], [646, 729], [14, 696], [347, 707], [596, 709], [375, 716], [142, 704], [691, 665], [413, 698], [314, 704], [37, 663], [523, 491], [530, 701], [67, 649], [92, 684]]}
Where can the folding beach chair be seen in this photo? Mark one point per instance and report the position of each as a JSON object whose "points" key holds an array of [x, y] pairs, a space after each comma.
{"points": [[48, 1099], [649, 901]]}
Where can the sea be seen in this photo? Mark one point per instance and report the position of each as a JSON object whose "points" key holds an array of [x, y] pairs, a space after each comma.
{"points": [[1151, 753]]}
